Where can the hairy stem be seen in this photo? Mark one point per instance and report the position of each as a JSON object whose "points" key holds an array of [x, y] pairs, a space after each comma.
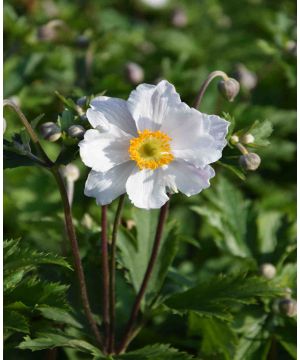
{"points": [[204, 86], [105, 275], [112, 283], [136, 307], [75, 251]]}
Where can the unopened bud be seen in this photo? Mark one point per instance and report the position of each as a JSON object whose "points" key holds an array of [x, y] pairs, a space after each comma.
{"points": [[134, 73], [267, 270], [179, 18], [247, 78], [247, 139], [76, 131], [291, 47], [130, 224], [250, 161], [53, 30], [50, 131], [229, 88], [288, 307], [71, 172], [234, 139]]}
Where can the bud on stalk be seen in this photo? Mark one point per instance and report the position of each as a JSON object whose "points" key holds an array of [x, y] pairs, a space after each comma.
{"points": [[50, 131]]}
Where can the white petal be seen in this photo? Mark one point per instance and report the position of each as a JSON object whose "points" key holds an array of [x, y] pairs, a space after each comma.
{"points": [[187, 178], [107, 186], [111, 111], [146, 188], [102, 151], [150, 104], [203, 145]]}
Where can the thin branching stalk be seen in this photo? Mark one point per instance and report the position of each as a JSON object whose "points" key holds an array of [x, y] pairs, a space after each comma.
{"points": [[76, 256], [105, 276], [112, 283], [204, 86], [68, 217], [136, 307]]}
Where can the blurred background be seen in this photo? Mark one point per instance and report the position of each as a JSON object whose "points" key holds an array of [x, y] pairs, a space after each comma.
{"points": [[85, 47]]}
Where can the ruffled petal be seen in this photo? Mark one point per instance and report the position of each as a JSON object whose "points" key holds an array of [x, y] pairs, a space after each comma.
{"points": [[150, 104], [146, 188], [102, 151], [187, 178], [200, 144], [105, 110], [107, 186]]}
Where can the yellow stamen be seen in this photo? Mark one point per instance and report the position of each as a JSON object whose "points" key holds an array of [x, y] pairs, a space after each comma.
{"points": [[151, 149]]}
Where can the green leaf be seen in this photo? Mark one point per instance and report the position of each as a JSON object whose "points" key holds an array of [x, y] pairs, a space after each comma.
{"points": [[67, 101], [135, 253], [66, 120], [254, 342], [227, 213], [156, 352], [17, 156], [268, 224], [217, 336], [218, 296], [34, 123], [58, 315], [233, 169], [261, 131], [51, 340], [13, 320]]}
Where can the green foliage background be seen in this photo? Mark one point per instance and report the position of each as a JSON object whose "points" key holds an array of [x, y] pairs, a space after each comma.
{"points": [[228, 230]]}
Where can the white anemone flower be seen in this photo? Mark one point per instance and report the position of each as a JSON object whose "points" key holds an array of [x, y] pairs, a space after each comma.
{"points": [[149, 146]]}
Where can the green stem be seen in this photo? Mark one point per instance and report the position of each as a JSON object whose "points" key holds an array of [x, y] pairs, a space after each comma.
{"points": [[105, 276], [136, 307], [112, 283], [76, 256], [204, 86]]}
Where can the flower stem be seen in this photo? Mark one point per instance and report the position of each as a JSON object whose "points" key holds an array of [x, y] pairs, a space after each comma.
{"points": [[242, 148], [112, 283], [136, 307], [30, 131], [204, 86], [105, 276], [68, 217], [75, 251]]}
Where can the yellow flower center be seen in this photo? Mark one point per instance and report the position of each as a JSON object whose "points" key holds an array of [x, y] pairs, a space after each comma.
{"points": [[151, 149]]}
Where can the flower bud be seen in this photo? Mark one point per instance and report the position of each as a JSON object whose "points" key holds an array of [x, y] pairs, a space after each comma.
{"points": [[250, 161], [247, 139], [76, 131], [247, 78], [229, 88], [179, 18], [288, 307], [53, 30], [268, 271], [50, 131], [71, 172], [234, 139], [134, 73], [156, 4]]}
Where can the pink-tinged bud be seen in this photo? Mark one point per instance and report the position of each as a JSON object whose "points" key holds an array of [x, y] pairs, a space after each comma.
{"points": [[268, 271], [179, 18], [250, 161], [247, 78], [76, 131], [50, 131], [247, 139], [229, 88], [4, 125], [288, 307], [134, 73]]}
